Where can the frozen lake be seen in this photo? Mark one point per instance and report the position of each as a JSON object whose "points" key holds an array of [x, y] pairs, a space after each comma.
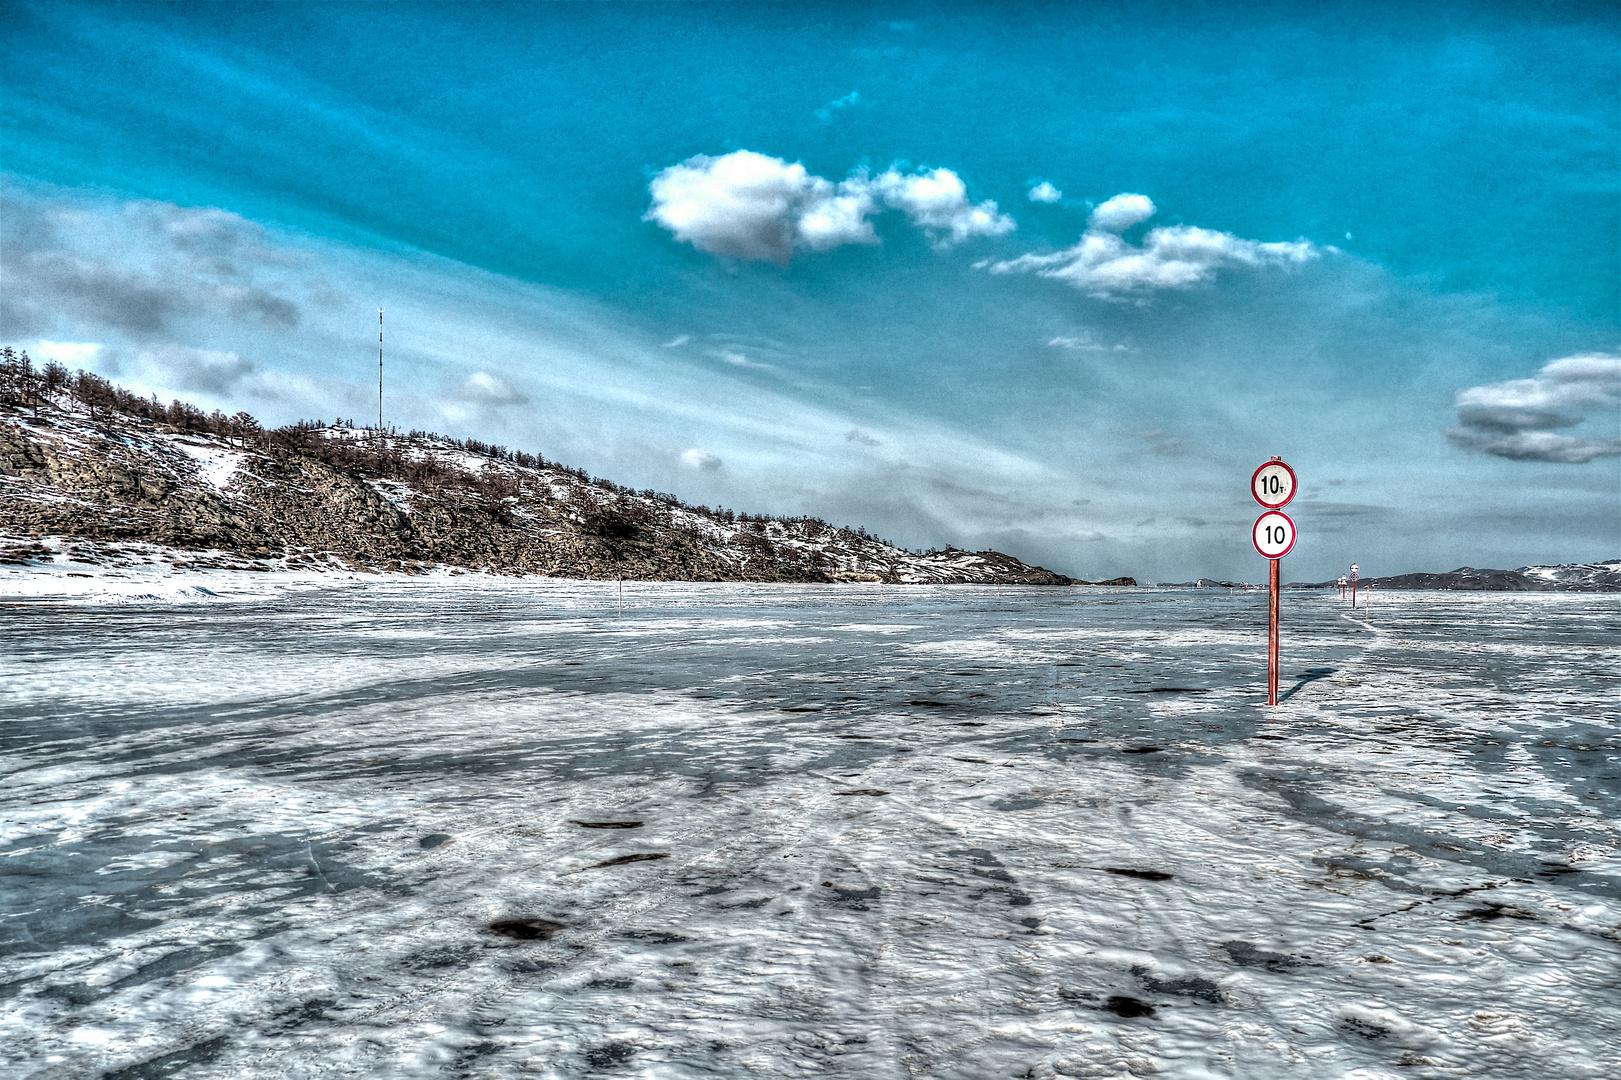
{"points": [[763, 831]]}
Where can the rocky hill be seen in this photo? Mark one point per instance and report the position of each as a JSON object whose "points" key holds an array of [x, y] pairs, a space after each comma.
{"points": [[85, 463]]}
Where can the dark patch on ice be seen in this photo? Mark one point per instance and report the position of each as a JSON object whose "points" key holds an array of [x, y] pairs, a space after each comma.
{"points": [[1557, 870], [1295, 788], [1141, 750], [72, 993], [608, 1055], [801, 708], [1017, 804], [1363, 1028], [428, 843], [927, 703], [972, 760], [656, 937], [169, 1064], [610, 984], [987, 867], [970, 723], [713, 890], [1171, 690], [313, 1009], [1143, 875], [1193, 986], [1492, 911], [471, 1054], [1030, 923], [1077, 740], [645, 856], [1244, 954], [169, 964], [607, 824], [855, 896], [68, 924], [1128, 1007], [526, 929], [852, 736], [862, 791], [748, 905]]}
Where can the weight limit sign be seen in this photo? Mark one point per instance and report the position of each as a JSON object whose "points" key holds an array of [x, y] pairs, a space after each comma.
{"points": [[1273, 484], [1274, 534]]}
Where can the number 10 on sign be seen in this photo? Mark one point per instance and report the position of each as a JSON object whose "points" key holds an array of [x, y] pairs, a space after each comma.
{"points": [[1273, 485], [1274, 534]]}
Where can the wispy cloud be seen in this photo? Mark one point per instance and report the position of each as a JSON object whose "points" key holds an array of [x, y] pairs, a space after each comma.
{"points": [[486, 389], [752, 206], [156, 264], [1520, 419], [826, 113], [1104, 265]]}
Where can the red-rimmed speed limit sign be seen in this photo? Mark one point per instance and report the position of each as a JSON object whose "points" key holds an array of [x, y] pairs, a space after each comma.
{"points": [[1274, 534], [1273, 484]]}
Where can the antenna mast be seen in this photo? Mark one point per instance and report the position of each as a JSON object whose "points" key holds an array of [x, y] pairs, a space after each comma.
{"points": [[379, 369]]}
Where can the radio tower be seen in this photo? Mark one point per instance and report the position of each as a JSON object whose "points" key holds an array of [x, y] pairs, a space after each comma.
{"points": [[379, 369]]}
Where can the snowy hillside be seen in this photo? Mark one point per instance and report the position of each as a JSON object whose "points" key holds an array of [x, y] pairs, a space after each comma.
{"points": [[89, 470]]}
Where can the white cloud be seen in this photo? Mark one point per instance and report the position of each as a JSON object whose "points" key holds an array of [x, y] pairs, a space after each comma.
{"points": [[1122, 212], [938, 201], [677, 341], [70, 354], [1105, 266], [1045, 192], [701, 459], [1519, 418], [753, 206]]}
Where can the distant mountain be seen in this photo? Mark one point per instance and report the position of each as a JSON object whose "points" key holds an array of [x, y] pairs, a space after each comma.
{"points": [[83, 460], [1568, 577]]}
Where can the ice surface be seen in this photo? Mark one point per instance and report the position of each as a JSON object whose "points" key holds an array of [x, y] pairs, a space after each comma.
{"points": [[954, 832]]}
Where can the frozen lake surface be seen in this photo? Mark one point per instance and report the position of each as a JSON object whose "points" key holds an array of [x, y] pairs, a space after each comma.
{"points": [[763, 831]]}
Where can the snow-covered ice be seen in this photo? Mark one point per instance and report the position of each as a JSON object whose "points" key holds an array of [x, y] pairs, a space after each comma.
{"points": [[763, 831]]}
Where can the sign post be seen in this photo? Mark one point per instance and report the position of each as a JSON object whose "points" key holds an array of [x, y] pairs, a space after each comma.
{"points": [[1356, 572], [1273, 535]]}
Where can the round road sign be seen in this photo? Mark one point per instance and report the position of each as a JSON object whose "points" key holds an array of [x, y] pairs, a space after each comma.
{"points": [[1274, 534], [1273, 484]]}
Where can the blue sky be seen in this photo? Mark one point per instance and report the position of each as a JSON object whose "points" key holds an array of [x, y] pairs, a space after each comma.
{"points": [[746, 253]]}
